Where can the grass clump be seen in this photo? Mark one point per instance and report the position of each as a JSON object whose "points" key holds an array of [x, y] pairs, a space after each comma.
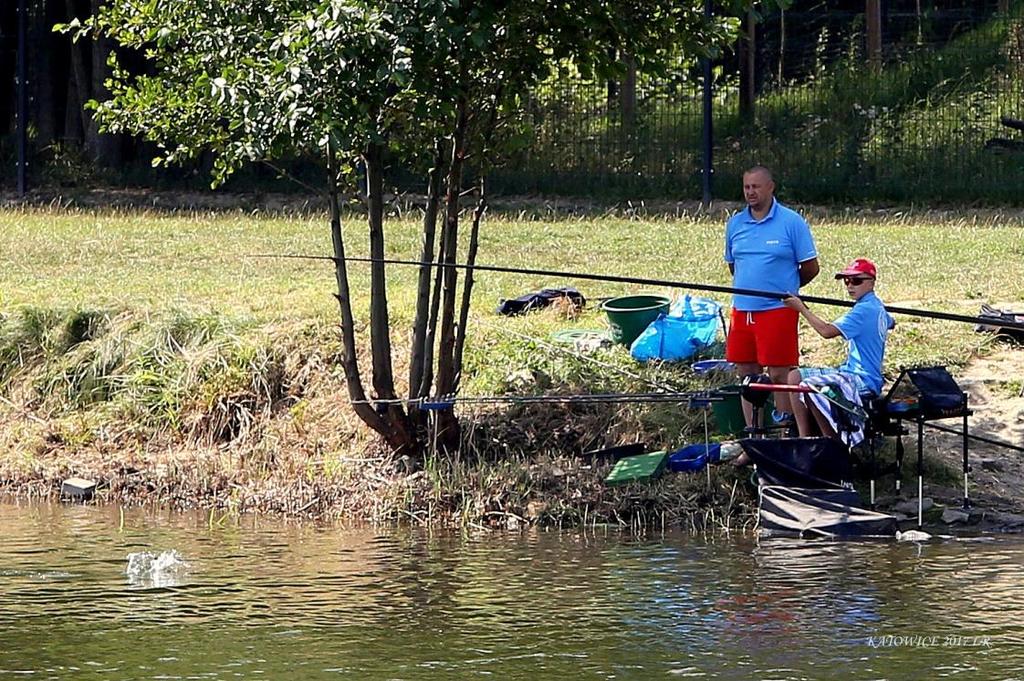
{"points": [[199, 373]]}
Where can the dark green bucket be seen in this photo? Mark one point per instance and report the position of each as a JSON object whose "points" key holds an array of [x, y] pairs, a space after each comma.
{"points": [[728, 412], [628, 316]]}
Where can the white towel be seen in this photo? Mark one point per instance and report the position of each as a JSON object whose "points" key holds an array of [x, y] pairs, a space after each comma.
{"points": [[852, 430]]}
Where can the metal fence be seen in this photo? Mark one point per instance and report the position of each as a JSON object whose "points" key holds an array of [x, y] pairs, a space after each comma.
{"points": [[921, 122]]}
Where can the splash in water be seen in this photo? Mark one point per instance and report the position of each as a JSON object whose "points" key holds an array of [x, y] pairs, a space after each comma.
{"points": [[151, 569]]}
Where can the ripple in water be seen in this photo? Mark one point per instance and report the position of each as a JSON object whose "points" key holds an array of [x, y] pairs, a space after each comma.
{"points": [[156, 570]]}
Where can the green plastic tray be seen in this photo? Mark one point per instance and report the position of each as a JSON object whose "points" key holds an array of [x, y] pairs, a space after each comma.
{"points": [[636, 468]]}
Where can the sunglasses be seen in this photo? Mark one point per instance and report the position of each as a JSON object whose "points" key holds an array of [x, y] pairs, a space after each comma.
{"points": [[856, 281]]}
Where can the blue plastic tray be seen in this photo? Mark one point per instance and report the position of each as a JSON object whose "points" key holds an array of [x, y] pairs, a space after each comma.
{"points": [[694, 457], [707, 365]]}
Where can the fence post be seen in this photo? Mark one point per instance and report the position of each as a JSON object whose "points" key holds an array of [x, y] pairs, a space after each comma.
{"points": [[707, 137], [22, 68], [748, 67], [782, 44]]}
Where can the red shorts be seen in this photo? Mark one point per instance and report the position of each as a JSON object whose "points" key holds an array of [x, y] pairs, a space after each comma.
{"points": [[768, 338]]}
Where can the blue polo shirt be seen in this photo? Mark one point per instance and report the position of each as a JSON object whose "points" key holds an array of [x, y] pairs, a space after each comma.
{"points": [[766, 254], [866, 327]]}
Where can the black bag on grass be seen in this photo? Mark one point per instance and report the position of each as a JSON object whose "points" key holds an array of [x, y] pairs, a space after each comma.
{"points": [[997, 316], [538, 300]]}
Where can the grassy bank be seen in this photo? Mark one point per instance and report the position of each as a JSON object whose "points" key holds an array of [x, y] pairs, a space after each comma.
{"points": [[154, 352]]}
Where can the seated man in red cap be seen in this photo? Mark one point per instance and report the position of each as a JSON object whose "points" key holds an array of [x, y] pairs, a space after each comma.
{"points": [[865, 328]]}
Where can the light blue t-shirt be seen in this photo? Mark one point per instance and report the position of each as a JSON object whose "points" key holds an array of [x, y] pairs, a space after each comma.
{"points": [[866, 327], [766, 254]]}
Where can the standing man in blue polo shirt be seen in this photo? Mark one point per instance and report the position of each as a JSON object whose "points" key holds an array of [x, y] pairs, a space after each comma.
{"points": [[768, 247]]}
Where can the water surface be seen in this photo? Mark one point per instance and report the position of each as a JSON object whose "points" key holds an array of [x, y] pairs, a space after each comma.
{"points": [[263, 598]]}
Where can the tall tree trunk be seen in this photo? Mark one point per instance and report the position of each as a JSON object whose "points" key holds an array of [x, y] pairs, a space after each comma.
{"points": [[380, 333], [42, 79], [873, 10], [435, 306], [467, 287], [400, 434], [422, 320], [920, 23], [748, 67], [628, 97], [782, 45], [82, 83], [445, 369], [611, 88], [106, 147], [490, 124], [348, 332], [72, 119], [448, 427], [400, 440]]}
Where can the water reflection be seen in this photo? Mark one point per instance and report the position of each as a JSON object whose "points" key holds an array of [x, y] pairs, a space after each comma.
{"points": [[272, 598]]}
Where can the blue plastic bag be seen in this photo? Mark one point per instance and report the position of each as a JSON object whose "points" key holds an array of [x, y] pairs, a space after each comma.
{"points": [[696, 309], [690, 326]]}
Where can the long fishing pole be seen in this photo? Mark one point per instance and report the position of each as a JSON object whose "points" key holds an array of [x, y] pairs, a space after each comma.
{"points": [[713, 288], [700, 398], [972, 436]]}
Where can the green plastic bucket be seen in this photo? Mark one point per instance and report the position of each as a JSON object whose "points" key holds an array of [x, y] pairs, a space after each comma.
{"points": [[728, 412], [628, 316]]}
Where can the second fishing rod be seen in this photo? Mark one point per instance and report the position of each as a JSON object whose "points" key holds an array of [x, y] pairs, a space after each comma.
{"points": [[644, 281]]}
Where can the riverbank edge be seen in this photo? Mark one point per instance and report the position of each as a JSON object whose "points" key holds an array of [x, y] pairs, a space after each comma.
{"points": [[260, 424], [366, 485], [301, 452], [193, 411]]}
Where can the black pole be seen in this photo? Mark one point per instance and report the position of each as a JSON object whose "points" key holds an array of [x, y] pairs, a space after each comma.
{"points": [[707, 135], [967, 468], [972, 436], [22, 97], [920, 470], [692, 286]]}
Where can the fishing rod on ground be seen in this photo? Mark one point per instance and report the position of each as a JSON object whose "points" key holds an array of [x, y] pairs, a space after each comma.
{"points": [[710, 288]]}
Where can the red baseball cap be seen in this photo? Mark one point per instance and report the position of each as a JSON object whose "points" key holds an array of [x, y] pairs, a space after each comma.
{"points": [[860, 266]]}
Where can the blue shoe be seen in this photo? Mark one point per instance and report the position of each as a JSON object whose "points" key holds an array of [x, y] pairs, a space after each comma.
{"points": [[782, 418]]}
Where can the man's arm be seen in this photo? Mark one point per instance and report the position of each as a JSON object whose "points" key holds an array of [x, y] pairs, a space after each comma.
{"points": [[808, 271], [824, 329]]}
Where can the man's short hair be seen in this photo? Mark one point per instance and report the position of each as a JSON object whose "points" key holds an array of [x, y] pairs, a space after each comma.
{"points": [[760, 169]]}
